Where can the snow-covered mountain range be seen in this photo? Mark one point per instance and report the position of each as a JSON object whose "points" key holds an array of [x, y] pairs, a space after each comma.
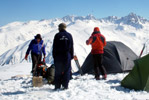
{"points": [[132, 30]]}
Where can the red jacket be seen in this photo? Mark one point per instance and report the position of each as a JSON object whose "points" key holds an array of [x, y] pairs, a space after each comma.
{"points": [[98, 42]]}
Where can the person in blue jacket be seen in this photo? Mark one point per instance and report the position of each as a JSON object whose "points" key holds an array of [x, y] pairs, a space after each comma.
{"points": [[36, 47], [62, 54]]}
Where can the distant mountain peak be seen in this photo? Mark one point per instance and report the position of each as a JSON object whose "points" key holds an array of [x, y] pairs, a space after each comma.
{"points": [[133, 20], [73, 18], [132, 14], [70, 18], [90, 17], [110, 19], [136, 18], [132, 17]]}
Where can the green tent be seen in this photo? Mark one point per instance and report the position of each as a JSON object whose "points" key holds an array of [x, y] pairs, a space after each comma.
{"points": [[138, 78]]}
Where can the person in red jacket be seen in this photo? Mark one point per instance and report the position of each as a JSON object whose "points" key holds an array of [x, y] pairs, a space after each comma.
{"points": [[98, 42]]}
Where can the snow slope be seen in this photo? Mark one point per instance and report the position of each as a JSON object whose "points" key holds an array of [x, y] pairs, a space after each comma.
{"points": [[132, 30], [84, 88], [17, 33]]}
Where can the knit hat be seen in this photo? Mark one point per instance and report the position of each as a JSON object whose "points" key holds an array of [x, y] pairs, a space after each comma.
{"points": [[96, 29], [62, 26], [38, 36]]}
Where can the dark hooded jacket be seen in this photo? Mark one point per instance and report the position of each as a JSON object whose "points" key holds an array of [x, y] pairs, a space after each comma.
{"points": [[63, 46]]}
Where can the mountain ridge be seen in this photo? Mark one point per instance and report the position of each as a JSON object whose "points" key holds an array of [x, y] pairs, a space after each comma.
{"points": [[12, 36]]}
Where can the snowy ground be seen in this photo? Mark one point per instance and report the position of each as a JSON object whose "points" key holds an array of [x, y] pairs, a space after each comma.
{"points": [[86, 87]]}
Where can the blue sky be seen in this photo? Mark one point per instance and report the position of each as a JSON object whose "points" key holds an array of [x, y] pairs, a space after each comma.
{"points": [[25, 10]]}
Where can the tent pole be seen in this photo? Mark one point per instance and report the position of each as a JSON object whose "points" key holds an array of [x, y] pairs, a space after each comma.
{"points": [[125, 66], [143, 48]]}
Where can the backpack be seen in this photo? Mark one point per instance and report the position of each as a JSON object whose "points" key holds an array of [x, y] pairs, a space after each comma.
{"points": [[46, 72], [50, 74]]}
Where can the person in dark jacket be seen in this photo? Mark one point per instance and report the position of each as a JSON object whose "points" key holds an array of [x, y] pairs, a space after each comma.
{"points": [[36, 47], [62, 54], [98, 42]]}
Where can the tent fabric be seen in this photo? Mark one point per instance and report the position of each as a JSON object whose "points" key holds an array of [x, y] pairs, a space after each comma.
{"points": [[117, 58], [138, 78]]}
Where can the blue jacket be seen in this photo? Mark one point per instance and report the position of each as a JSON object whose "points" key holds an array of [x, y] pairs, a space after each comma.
{"points": [[36, 48], [63, 46]]}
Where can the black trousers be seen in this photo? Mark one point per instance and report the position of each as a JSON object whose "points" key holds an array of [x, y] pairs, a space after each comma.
{"points": [[35, 59], [62, 73], [98, 67]]}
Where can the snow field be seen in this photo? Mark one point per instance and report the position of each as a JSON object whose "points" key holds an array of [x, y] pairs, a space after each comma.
{"points": [[83, 88]]}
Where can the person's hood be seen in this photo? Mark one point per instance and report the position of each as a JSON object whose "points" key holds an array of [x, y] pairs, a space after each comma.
{"points": [[96, 29]]}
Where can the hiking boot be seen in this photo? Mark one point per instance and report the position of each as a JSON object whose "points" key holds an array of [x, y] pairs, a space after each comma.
{"points": [[97, 78], [64, 88], [105, 76], [57, 87]]}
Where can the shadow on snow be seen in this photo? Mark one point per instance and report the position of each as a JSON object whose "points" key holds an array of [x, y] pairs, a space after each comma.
{"points": [[13, 93]]}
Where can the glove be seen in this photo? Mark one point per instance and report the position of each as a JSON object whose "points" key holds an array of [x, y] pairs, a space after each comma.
{"points": [[75, 57], [44, 60], [26, 56]]}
